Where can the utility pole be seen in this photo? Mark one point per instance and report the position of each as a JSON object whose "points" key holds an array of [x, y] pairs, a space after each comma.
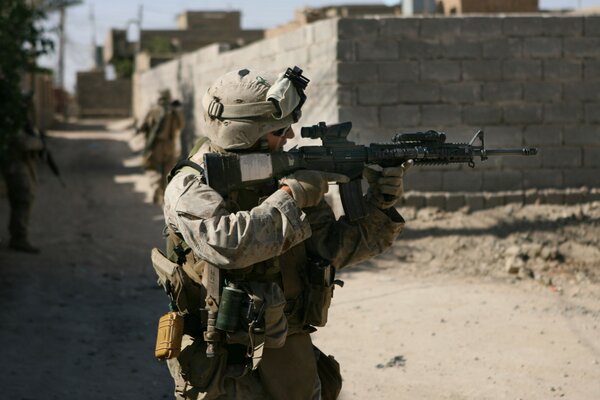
{"points": [[61, 50], [93, 37], [140, 18]]}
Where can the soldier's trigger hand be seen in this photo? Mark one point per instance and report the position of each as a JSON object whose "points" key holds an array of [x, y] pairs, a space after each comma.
{"points": [[308, 187], [386, 184]]}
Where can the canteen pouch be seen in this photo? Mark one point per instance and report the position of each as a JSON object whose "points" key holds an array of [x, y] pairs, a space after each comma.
{"points": [[187, 296], [319, 292], [168, 337]]}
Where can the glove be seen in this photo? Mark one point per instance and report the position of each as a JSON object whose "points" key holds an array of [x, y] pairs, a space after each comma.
{"points": [[308, 187], [385, 184]]}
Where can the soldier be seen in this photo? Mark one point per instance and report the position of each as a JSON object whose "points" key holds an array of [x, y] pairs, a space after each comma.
{"points": [[277, 244], [19, 171], [162, 127]]}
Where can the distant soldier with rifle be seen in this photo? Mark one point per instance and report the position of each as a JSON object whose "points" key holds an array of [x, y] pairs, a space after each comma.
{"points": [[20, 174], [162, 127], [253, 248]]}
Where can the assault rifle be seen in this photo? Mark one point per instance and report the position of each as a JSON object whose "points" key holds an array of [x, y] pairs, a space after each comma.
{"points": [[231, 171]]}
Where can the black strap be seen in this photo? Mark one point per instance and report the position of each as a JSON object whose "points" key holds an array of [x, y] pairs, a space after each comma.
{"points": [[184, 163]]}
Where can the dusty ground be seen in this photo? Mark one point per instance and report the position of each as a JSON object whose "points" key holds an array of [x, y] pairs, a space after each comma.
{"points": [[498, 304]]}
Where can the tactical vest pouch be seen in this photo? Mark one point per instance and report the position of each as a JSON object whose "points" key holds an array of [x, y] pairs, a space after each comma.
{"points": [[187, 295], [329, 374], [168, 338], [317, 297]]}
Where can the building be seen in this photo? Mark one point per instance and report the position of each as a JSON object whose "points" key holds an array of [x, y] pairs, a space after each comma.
{"points": [[450, 7]]}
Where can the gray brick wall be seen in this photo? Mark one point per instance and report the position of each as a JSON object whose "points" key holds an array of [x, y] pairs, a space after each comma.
{"points": [[524, 80]]}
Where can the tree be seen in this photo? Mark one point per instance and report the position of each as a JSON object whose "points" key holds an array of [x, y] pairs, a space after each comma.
{"points": [[22, 40]]}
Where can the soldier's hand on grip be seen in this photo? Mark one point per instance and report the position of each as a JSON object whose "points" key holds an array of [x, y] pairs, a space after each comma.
{"points": [[385, 184], [308, 187]]}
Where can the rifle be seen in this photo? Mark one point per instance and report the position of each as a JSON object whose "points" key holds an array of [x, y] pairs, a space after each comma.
{"points": [[46, 155], [230, 171]]}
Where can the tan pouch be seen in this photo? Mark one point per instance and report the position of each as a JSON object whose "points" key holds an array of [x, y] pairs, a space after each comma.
{"points": [[316, 306], [168, 337]]}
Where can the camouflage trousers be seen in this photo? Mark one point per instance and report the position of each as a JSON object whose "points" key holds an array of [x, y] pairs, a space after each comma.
{"points": [[20, 187], [286, 373]]}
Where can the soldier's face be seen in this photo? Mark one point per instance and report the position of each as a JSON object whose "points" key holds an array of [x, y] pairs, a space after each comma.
{"points": [[276, 142]]}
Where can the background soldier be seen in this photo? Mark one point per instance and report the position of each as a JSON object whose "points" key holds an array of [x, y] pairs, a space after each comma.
{"points": [[162, 127], [276, 246], [19, 171]]}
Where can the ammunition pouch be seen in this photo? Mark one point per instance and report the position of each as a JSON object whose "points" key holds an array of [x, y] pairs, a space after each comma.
{"points": [[317, 296], [329, 374], [187, 295]]}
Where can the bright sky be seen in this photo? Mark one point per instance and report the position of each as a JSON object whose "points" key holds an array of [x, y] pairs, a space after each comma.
{"points": [[161, 14]]}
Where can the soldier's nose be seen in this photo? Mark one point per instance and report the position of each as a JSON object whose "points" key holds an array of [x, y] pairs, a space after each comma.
{"points": [[289, 134]]}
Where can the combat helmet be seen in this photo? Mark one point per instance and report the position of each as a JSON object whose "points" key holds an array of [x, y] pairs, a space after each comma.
{"points": [[164, 96], [242, 106]]}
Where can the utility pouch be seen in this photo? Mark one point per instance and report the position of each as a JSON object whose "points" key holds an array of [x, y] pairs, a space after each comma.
{"points": [[329, 374], [319, 292], [187, 295], [168, 338]]}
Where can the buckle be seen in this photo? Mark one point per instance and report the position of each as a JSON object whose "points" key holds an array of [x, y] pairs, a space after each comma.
{"points": [[215, 109]]}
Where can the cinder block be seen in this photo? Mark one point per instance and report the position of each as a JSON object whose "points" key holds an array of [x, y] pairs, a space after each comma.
{"points": [[346, 96], [442, 71], [493, 200], [553, 196], [413, 199], [463, 181], [563, 70], [514, 197], [577, 177], [503, 91], [454, 201], [582, 91], [563, 112], [576, 195], [377, 50], [592, 113], [324, 30], [542, 47], [419, 49], [400, 28], [562, 26], [523, 26], [437, 200], [462, 92], [581, 47], [543, 135], [480, 115], [423, 180], [591, 25], [503, 136], [441, 114], [345, 50], [520, 162], [525, 70], [360, 116], [356, 72], [474, 201], [461, 49], [377, 94], [398, 71], [594, 194], [562, 157], [524, 113], [357, 28], [505, 48], [591, 157], [542, 178], [544, 92], [440, 27], [532, 196], [584, 135], [502, 180], [591, 70], [417, 93], [482, 70], [481, 27], [400, 116]]}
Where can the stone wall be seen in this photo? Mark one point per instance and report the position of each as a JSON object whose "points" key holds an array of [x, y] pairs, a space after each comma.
{"points": [[97, 97], [525, 80]]}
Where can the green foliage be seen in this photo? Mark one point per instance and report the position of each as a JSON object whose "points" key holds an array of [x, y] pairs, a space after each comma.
{"points": [[159, 45], [123, 67], [22, 40]]}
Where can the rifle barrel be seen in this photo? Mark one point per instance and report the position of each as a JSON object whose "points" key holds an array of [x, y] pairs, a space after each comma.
{"points": [[525, 151]]}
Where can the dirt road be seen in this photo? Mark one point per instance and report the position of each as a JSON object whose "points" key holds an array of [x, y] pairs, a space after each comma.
{"points": [[78, 321]]}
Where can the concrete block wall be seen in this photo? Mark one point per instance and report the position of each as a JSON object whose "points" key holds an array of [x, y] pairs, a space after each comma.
{"points": [[525, 80], [98, 97]]}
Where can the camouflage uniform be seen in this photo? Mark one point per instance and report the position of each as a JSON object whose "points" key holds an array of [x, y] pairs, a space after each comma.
{"points": [[19, 171], [162, 126], [261, 235]]}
